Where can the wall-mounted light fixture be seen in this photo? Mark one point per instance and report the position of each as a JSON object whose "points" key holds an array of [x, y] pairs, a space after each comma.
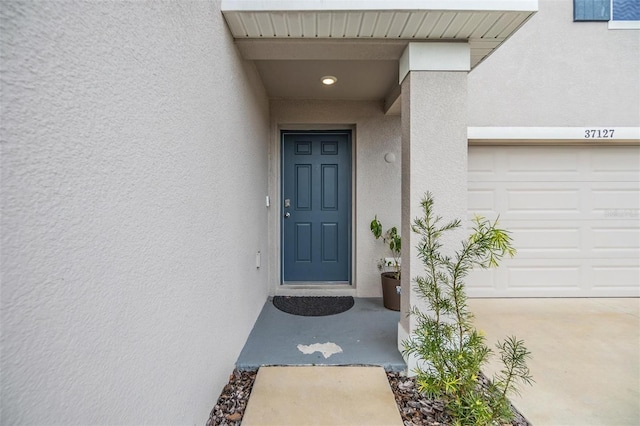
{"points": [[328, 80]]}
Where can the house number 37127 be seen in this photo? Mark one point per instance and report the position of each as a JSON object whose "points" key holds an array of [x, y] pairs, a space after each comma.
{"points": [[598, 133]]}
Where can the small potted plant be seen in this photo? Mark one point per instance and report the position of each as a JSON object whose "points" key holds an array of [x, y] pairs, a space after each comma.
{"points": [[390, 278]]}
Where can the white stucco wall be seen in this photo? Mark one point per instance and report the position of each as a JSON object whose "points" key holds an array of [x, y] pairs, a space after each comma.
{"points": [[434, 159], [376, 182], [555, 72], [134, 168]]}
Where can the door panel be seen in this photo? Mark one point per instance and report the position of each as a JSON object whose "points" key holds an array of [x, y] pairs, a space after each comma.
{"points": [[303, 242], [316, 210]]}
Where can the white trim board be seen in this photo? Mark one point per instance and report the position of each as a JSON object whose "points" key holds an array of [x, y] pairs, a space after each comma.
{"points": [[624, 25], [398, 5], [584, 135], [434, 57]]}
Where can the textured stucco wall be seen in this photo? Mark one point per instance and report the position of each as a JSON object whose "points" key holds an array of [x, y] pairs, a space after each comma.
{"points": [[376, 184], [434, 159], [555, 72], [134, 147]]}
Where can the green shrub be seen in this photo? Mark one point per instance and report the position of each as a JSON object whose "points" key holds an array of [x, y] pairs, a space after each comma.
{"points": [[451, 352]]}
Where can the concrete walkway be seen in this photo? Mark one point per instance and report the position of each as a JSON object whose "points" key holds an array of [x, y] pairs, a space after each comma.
{"points": [[585, 357], [322, 396]]}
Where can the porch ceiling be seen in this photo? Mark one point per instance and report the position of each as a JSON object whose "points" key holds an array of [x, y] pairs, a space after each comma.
{"points": [[295, 42]]}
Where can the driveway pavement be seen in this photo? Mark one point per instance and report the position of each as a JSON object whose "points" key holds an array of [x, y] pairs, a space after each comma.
{"points": [[585, 357]]}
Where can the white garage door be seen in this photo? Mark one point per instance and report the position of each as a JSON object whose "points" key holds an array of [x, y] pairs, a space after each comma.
{"points": [[574, 216]]}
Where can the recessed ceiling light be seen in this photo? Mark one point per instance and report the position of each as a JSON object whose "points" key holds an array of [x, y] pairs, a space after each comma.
{"points": [[328, 80]]}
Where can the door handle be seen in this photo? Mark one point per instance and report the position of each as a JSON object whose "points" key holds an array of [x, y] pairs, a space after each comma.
{"points": [[287, 214]]}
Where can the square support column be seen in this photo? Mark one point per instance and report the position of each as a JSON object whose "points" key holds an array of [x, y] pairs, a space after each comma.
{"points": [[434, 154]]}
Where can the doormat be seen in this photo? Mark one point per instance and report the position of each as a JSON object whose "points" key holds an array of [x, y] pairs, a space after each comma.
{"points": [[313, 306]]}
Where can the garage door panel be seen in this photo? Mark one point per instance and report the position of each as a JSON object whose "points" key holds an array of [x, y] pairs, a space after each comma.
{"points": [[482, 165], [542, 275], [573, 213], [527, 200], [482, 201], [581, 239], [607, 164], [536, 163], [525, 277], [607, 291], [554, 238], [543, 201], [595, 164], [485, 199], [547, 242], [621, 277], [620, 241], [556, 278], [607, 200], [484, 278]]}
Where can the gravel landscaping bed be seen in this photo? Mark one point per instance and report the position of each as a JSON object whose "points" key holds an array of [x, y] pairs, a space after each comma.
{"points": [[415, 409]]}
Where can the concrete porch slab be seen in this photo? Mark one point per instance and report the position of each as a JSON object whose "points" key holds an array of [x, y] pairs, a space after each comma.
{"points": [[366, 334], [585, 357], [321, 396]]}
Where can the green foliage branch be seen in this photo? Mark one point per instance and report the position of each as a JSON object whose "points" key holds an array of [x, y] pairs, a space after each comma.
{"points": [[451, 350], [391, 239]]}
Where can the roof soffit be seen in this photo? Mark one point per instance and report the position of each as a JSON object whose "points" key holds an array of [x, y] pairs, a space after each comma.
{"points": [[376, 30]]}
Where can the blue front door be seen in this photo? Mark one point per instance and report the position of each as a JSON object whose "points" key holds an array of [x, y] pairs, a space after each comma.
{"points": [[316, 206]]}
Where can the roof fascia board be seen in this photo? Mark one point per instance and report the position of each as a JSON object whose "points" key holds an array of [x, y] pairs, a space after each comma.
{"points": [[321, 49], [361, 5]]}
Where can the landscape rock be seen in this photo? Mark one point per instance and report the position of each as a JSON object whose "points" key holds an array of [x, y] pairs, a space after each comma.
{"points": [[415, 409]]}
